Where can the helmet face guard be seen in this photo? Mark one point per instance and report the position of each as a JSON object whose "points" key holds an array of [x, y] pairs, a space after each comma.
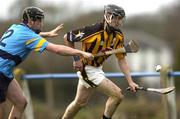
{"points": [[114, 16]]}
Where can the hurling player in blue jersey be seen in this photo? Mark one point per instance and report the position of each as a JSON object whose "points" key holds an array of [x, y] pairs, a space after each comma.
{"points": [[16, 43]]}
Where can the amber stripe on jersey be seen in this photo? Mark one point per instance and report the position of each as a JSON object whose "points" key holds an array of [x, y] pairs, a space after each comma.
{"points": [[98, 43]]}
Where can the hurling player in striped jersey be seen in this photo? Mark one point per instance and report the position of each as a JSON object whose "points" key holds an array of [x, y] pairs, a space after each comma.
{"points": [[96, 38]]}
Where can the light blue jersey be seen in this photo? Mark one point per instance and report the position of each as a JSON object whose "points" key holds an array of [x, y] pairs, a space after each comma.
{"points": [[16, 43]]}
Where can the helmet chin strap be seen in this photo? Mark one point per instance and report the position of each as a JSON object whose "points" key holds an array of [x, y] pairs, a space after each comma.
{"points": [[108, 20]]}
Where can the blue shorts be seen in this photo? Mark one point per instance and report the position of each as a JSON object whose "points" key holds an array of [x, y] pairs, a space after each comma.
{"points": [[4, 83]]}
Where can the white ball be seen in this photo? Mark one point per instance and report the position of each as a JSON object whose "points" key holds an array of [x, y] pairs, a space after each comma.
{"points": [[158, 68]]}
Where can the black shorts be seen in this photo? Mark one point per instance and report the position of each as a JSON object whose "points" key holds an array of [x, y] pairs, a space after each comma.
{"points": [[4, 83]]}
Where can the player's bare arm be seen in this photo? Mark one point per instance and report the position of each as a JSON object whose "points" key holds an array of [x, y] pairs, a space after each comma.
{"points": [[52, 33], [67, 51], [125, 69]]}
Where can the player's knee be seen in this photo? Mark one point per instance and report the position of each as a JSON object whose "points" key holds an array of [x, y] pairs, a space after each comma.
{"points": [[80, 103], [22, 103], [119, 96]]}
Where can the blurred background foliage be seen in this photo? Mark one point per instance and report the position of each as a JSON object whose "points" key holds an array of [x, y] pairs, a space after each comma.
{"points": [[164, 24]]}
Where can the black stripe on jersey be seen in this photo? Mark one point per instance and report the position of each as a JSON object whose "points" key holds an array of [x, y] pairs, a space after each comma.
{"points": [[92, 46], [86, 49], [117, 44], [107, 40], [5, 55], [102, 40]]}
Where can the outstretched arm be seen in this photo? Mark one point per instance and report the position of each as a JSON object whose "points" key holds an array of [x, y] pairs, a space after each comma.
{"points": [[123, 64], [52, 33], [67, 51]]}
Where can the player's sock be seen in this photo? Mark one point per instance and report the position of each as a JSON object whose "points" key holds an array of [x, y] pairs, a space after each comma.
{"points": [[104, 117]]}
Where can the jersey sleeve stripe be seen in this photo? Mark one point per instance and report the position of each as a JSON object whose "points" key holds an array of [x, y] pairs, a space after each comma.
{"points": [[39, 45], [30, 41]]}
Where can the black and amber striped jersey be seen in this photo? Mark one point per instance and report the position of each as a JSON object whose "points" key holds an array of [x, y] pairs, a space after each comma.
{"points": [[95, 39]]}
